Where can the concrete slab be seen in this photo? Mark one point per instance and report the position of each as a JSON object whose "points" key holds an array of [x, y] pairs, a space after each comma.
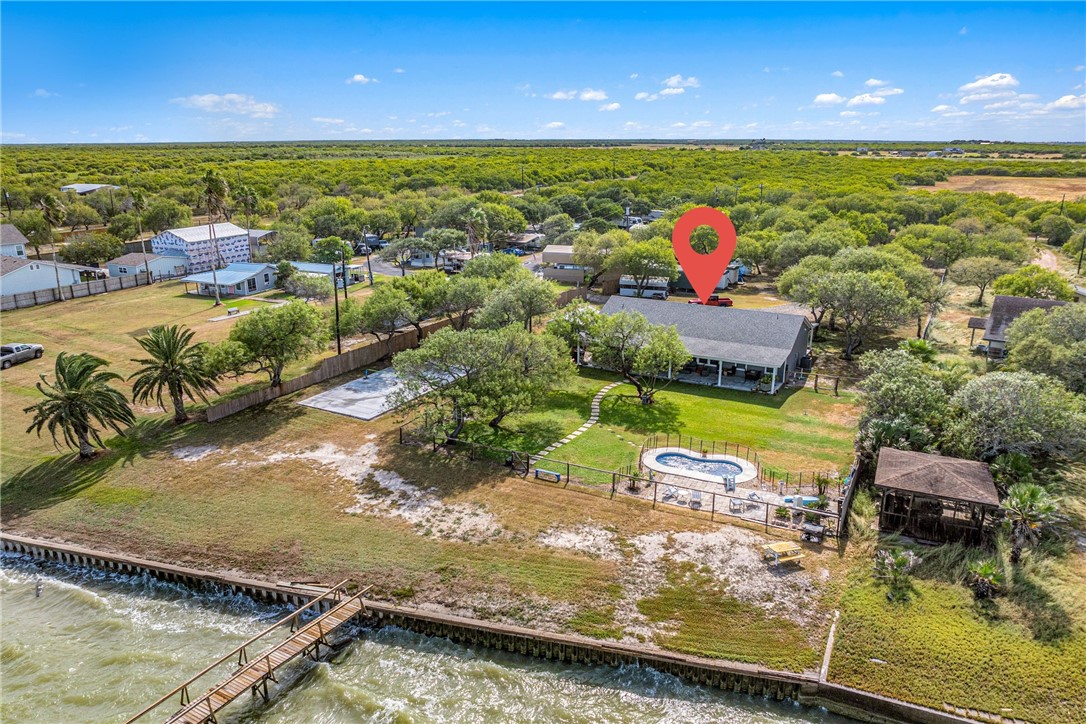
{"points": [[364, 398]]}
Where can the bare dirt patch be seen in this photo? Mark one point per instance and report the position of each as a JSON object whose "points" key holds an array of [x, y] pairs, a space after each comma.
{"points": [[1043, 189], [192, 453]]}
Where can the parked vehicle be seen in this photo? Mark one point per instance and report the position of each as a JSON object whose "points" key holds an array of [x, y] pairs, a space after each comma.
{"points": [[514, 251], [11, 354], [715, 300]]}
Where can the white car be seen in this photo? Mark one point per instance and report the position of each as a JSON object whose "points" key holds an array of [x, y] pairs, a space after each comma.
{"points": [[11, 354]]}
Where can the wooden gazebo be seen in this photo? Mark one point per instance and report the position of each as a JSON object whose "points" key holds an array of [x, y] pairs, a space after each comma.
{"points": [[933, 498]]}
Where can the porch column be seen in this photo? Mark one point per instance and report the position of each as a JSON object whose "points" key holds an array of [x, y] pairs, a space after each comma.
{"points": [[719, 372], [773, 385]]}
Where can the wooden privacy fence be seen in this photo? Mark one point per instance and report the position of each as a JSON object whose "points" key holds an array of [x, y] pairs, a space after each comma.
{"points": [[23, 300], [629, 482], [357, 358], [349, 361]]}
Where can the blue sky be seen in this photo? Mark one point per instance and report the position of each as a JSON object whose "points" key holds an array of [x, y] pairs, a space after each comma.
{"points": [[97, 72]]}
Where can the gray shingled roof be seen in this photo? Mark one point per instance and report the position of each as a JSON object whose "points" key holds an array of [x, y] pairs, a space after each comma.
{"points": [[978, 322], [9, 264], [10, 234], [936, 476], [133, 259], [1007, 309], [734, 335]]}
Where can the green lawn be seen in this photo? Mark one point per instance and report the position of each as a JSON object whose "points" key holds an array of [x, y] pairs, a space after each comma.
{"points": [[795, 429], [942, 647]]}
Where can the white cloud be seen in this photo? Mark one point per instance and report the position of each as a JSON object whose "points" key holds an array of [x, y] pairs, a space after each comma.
{"points": [[866, 99], [987, 96], [1067, 103], [995, 80], [590, 94], [237, 103], [875, 82], [398, 70], [360, 79], [633, 76], [954, 114], [942, 108], [333, 121], [680, 124], [10, 134], [562, 95], [700, 124], [677, 81], [828, 99], [889, 91], [963, 31], [458, 123], [554, 125], [1079, 68], [850, 114], [632, 126], [837, 74], [42, 93], [643, 96], [672, 91], [610, 106]]}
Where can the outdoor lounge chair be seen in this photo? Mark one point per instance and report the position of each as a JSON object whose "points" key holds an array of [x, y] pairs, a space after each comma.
{"points": [[735, 505], [695, 499], [670, 492]]}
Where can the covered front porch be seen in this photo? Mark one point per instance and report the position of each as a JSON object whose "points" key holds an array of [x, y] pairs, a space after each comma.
{"points": [[731, 375]]}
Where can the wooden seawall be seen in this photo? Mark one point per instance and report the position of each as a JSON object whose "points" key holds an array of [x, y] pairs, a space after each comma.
{"points": [[727, 675]]}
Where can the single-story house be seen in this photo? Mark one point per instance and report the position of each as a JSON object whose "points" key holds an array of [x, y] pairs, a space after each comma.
{"points": [[160, 266], [231, 244], [932, 497], [560, 267], [453, 261], [731, 347], [1004, 311], [18, 276], [528, 241], [237, 279], [84, 189], [355, 272], [12, 241], [1080, 293]]}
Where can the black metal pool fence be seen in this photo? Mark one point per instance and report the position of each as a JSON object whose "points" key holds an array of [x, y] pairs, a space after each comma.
{"points": [[630, 482]]}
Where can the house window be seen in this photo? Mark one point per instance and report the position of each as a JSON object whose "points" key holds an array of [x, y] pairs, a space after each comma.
{"points": [[251, 283], [267, 279], [122, 270]]}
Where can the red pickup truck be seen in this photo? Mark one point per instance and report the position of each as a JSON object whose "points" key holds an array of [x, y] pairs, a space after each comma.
{"points": [[715, 300]]}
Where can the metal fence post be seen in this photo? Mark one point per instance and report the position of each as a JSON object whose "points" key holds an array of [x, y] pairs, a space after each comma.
{"points": [[712, 511]]}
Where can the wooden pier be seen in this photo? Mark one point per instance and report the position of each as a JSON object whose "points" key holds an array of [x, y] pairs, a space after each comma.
{"points": [[253, 674]]}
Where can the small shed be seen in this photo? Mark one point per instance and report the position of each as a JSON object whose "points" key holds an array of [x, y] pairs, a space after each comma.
{"points": [[932, 497]]}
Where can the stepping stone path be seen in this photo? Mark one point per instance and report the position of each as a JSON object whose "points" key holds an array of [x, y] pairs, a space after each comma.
{"points": [[593, 418]]}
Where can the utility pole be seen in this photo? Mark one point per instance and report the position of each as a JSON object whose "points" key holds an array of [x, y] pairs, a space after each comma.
{"points": [[761, 193], [335, 298], [137, 204], [522, 178], [342, 259], [1080, 250], [1062, 199]]}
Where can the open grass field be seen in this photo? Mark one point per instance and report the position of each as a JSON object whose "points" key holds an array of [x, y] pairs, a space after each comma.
{"points": [[1043, 189], [108, 325]]}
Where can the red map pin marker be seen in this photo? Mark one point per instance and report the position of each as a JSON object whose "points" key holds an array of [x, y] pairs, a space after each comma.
{"points": [[704, 270]]}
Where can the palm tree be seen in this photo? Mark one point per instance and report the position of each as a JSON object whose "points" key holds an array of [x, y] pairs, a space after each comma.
{"points": [[54, 212], [1028, 510], [79, 397], [985, 578], [139, 203], [214, 193], [247, 199], [175, 366]]}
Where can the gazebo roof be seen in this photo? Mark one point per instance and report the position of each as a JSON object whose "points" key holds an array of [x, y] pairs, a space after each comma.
{"points": [[936, 476]]}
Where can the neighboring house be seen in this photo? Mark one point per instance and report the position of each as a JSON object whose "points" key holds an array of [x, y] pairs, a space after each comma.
{"points": [[84, 189], [12, 241], [259, 240], [237, 279], [731, 347], [34, 275], [355, 272], [1004, 311], [654, 215], [194, 243], [730, 276], [424, 259], [454, 261], [560, 267], [654, 287], [160, 266], [933, 498], [528, 241], [1080, 293]]}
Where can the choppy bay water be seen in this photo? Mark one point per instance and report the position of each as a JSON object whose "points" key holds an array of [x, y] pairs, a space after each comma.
{"points": [[98, 647]]}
